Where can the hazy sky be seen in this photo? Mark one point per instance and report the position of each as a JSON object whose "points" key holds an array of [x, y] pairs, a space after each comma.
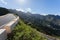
{"points": [[34, 6]]}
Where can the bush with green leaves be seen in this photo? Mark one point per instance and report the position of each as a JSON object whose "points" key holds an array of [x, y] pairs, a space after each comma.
{"points": [[25, 32]]}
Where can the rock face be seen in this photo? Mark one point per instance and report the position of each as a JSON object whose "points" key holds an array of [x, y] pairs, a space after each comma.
{"points": [[7, 23]]}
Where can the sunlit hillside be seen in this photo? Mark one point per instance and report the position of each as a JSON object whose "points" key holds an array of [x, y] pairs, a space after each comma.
{"points": [[25, 32]]}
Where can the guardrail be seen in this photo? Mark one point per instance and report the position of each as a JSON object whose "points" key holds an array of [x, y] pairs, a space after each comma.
{"points": [[3, 34], [8, 27]]}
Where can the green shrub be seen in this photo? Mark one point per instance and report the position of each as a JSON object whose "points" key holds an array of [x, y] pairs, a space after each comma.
{"points": [[25, 32]]}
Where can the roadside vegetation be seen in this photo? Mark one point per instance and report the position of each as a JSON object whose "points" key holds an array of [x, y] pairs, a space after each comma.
{"points": [[25, 32]]}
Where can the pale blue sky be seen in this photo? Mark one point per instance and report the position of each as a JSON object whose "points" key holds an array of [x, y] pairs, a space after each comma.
{"points": [[34, 6]]}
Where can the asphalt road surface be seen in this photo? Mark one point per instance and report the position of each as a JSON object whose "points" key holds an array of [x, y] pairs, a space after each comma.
{"points": [[6, 18]]}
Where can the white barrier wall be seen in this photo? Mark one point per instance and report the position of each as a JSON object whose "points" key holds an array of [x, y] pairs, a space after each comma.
{"points": [[3, 34], [10, 26], [7, 24]]}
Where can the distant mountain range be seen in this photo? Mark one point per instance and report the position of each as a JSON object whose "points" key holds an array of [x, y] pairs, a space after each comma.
{"points": [[49, 24]]}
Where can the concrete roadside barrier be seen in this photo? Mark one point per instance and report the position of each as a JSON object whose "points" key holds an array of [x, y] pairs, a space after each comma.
{"points": [[7, 24], [3, 34]]}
